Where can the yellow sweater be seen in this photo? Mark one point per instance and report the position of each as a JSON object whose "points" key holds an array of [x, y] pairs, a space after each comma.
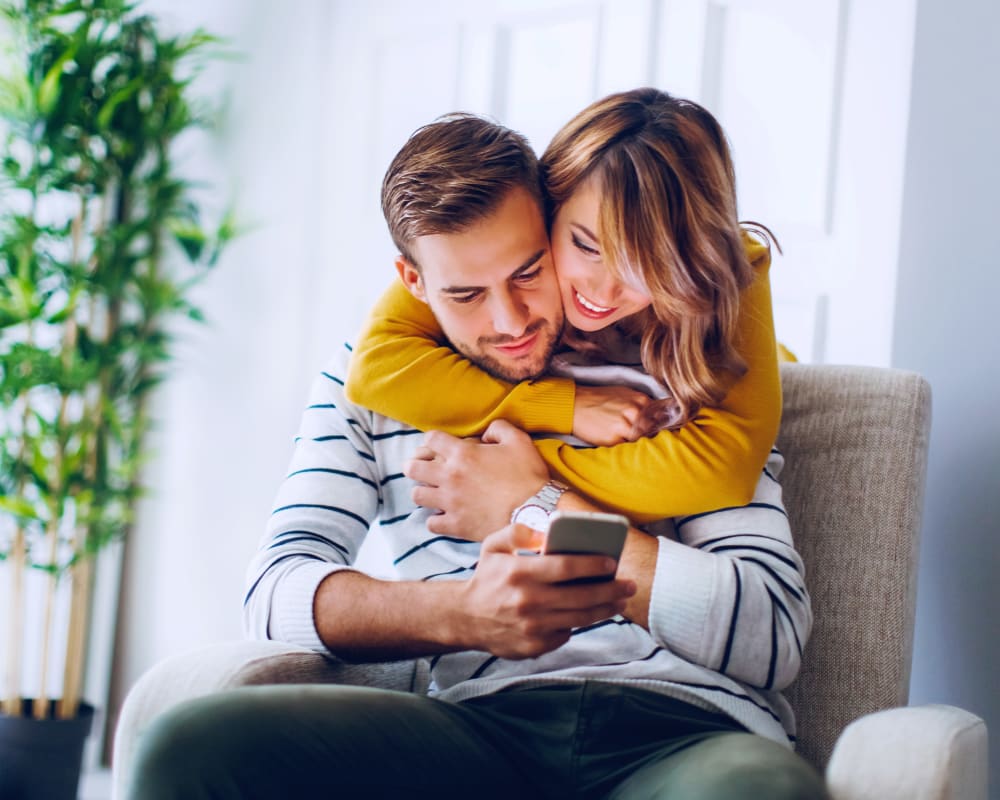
{"points": [[402, 364]]}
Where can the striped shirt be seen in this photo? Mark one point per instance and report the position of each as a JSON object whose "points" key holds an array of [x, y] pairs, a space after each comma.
{"points": [[729, 614]]}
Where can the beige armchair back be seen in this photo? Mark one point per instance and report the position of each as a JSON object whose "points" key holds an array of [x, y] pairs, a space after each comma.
{"points": [[855, 445]]}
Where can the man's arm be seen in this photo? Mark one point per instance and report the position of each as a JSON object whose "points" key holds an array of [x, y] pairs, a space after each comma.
{"points": [[478, 484], [514, 606], [637, 563], [727, 593], [320, 519], [303, 589], [731, 593]]}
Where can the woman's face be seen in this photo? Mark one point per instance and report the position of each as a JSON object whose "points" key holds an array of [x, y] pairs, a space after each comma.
{"points": [[592, 297]]}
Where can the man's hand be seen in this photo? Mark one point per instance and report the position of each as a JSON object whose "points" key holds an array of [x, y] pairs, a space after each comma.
{"points": [[607, 415], [518, 606], [475, 484]]}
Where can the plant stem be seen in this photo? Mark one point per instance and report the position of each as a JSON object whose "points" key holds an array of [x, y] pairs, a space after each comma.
{"points": [[57, 487], [56, 506], [15, 634], [41, 705], [80, 573], [13, 702]]}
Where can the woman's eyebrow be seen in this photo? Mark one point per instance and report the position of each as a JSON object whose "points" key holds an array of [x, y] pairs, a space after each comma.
{"points": [[584, 230]]}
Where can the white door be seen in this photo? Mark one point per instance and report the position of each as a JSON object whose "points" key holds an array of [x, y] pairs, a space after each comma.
{"points": [[814, 97]]}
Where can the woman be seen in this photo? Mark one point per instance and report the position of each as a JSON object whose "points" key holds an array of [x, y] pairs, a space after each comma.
{"points": [[653, 264]]}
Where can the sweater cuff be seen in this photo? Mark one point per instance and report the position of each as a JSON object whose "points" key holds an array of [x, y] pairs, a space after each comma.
{"points": [[681, 599], [291, 618], [548, 405]]}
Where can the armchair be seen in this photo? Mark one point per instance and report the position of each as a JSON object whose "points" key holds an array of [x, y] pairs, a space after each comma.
{"points": [[855, 443]]}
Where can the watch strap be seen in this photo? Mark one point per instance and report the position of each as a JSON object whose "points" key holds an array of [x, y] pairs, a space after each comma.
{"points": [[546, 498]]}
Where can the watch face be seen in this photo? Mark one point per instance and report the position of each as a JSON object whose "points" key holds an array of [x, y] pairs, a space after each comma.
{"points": [[533, 516]]}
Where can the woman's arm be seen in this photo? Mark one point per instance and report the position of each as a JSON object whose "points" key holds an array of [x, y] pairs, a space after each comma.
{"points": [[403, 367], [402, 362]]}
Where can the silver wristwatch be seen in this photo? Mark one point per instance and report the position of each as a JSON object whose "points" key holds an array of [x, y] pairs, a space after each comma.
{"points": [[536, 510]]}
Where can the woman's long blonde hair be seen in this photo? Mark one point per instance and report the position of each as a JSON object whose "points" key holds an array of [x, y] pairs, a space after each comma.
{"points": [[668, 225]]}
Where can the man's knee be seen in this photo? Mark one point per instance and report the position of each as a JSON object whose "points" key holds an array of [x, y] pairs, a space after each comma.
{"points": [[741, 765], [180, 744], [730, 766], [219, 745]]}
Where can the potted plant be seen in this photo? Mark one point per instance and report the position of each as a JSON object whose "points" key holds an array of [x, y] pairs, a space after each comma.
{"points": [[101, 243]]}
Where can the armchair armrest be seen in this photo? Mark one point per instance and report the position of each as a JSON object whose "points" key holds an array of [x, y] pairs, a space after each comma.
{"points": [[930, 752], [230, 665]]}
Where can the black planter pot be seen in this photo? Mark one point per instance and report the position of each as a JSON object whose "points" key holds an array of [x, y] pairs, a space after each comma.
{"points": [[41, 759]]}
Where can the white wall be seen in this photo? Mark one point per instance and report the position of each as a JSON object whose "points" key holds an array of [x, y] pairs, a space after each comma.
{"points": [[946, 328]]}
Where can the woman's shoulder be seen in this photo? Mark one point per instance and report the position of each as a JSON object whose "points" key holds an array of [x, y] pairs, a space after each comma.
{"points": [[758, 250]]}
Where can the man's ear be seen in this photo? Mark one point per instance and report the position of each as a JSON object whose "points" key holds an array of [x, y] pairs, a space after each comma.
{"points": [[411, 278]]}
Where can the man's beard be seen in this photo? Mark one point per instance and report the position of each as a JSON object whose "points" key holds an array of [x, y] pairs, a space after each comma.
{"points": [[510, 372]]}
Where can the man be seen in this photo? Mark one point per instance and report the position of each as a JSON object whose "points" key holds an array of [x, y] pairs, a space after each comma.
{"points": [[540, 687]]}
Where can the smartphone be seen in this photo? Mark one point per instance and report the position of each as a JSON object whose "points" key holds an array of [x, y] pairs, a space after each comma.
{"points": [[587, 532]]}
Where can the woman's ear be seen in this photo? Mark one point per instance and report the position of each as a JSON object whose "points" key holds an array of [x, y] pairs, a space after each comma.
{"points": [[411, 278]]}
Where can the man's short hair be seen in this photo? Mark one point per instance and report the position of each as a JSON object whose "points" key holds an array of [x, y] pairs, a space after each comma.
{"points": [[453, 173]]}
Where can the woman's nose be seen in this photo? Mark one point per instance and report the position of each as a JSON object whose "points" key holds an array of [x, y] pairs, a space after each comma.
{"points": [[606, 290]]}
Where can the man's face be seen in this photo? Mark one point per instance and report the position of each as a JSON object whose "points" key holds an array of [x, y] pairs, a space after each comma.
{"points": [[493, 289]]}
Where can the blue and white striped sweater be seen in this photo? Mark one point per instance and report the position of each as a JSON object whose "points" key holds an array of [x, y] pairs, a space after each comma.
{"points": [[729, 614]]}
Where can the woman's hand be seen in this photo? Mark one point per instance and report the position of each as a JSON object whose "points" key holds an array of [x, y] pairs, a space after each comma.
{"points": [[475, 484], [607, 415]]}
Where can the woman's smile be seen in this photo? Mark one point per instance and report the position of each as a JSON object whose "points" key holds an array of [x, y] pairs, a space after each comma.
{"points": [[590, 308]]}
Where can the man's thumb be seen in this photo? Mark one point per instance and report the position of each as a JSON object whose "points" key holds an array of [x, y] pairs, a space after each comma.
{"points": [[513, 538]]}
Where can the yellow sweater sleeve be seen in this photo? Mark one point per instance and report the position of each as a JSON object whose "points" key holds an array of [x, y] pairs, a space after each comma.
{"points": [[403, 367], [715, 460]]}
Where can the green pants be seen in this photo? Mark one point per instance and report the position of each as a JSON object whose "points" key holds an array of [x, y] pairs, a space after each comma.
{"points": [[588, 740]]}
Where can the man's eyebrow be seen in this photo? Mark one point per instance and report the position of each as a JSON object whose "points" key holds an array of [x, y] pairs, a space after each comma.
{"points": [[460, 289], [528, 264]]}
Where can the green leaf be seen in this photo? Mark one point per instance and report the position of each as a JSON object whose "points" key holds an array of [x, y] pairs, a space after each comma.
{"points": [[125, 93], [48, 92], [19, 507], [16, 102], [189, 236]]}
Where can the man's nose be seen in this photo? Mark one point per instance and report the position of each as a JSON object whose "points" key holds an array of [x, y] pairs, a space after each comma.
{"points": [[510, 315]]}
